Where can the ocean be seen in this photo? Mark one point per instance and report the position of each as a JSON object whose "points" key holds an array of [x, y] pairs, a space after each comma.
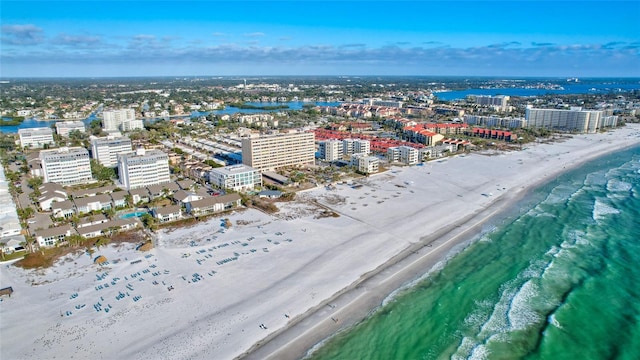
{"points": [[569, 88], [559, 278]]}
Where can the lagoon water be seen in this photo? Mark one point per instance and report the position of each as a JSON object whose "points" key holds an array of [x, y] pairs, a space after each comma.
{"points": [[558, 279], [293, 105]]}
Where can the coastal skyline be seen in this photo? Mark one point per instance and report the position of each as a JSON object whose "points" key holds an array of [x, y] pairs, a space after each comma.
{"points": [[205, 38]]}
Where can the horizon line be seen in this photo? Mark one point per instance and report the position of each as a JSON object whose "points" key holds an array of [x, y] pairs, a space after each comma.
{"points": [[323, 76]]}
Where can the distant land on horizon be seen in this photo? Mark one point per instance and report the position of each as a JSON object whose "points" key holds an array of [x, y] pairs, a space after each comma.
{"points": [[324, 77], [58, 38]]}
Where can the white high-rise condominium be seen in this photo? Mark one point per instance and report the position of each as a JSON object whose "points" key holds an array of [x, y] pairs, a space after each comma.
{"points": [[143, 168], [362, 147], [106, 150], [348, 147], [409, 155], [499, 101], [112, 119], [330, 150], [576, 119], [271, 152], [66, 166]]}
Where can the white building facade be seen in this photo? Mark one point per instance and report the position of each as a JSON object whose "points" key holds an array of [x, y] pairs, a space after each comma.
{"points": [[106, 150], [275, 151], [130, 125], [63, 128], [575, 119], [365, 164], [498, 102], [36, 137], [495, 121], [236, 177], [330, 150], [66, 166], [112, 119], [362, 146], [143, 168], [409, 155], [355, 146]]}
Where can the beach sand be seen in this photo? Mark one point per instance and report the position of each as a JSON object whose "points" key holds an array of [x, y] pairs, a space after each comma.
{"points": [[273, 286]]}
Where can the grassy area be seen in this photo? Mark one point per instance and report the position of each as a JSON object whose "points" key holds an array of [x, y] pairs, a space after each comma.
{"points": [[14, 255], [46, 257], [43, 258]]}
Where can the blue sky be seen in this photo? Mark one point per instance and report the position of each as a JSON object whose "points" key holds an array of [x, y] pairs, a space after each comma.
{"points": [[306, 37]]}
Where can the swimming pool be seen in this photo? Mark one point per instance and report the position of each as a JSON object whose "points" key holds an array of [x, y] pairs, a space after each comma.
{"points": [[133, 214]]}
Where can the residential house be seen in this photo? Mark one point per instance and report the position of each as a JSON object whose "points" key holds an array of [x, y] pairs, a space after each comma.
{"points": [[12, 245], [93, 192], [94, 203], [168, 213], [119, 199], [51, 192], [271, 194], [156, 191], [186, 184], [140, 195], [63, 209], [182, 197], [91, 220], [10, 227], [212, 205], [53, 236], [109, 227]]}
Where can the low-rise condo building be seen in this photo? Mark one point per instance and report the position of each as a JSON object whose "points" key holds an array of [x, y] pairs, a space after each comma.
{"points": [[236, 177], [365, 164], [63, 128], [36, 137]]}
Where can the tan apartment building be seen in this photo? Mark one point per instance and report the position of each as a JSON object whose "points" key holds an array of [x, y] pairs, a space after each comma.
{"points": [[276, 151]]}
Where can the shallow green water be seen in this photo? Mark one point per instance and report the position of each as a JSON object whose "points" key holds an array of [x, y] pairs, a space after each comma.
{"points": [[560, 279]]}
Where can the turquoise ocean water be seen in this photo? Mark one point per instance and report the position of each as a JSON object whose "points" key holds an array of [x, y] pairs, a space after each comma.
{"points": [[558, 279]]}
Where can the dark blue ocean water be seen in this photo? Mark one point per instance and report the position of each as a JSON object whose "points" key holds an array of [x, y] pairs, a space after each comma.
{"points": [[568, 89], [559, 279]]}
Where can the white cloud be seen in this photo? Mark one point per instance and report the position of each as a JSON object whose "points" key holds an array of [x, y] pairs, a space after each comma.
{"points": [[27, 34]]}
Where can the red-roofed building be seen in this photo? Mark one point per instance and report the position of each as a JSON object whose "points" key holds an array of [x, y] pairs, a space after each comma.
{"points": [[378, 145], [492, 134], [459, 144], [447, 129]]}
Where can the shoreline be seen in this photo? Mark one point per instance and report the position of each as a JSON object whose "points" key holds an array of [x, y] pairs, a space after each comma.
{"points": [[361, 299]]}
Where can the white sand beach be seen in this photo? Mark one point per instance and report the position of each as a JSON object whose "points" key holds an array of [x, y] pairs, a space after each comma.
{"points": [[273, 286]]}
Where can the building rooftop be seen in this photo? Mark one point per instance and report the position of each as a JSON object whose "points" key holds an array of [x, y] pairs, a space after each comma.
{"points": [[35, 131], [233, 169], [54, 231], [101, 198], [171, 209], [208, 201]]}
